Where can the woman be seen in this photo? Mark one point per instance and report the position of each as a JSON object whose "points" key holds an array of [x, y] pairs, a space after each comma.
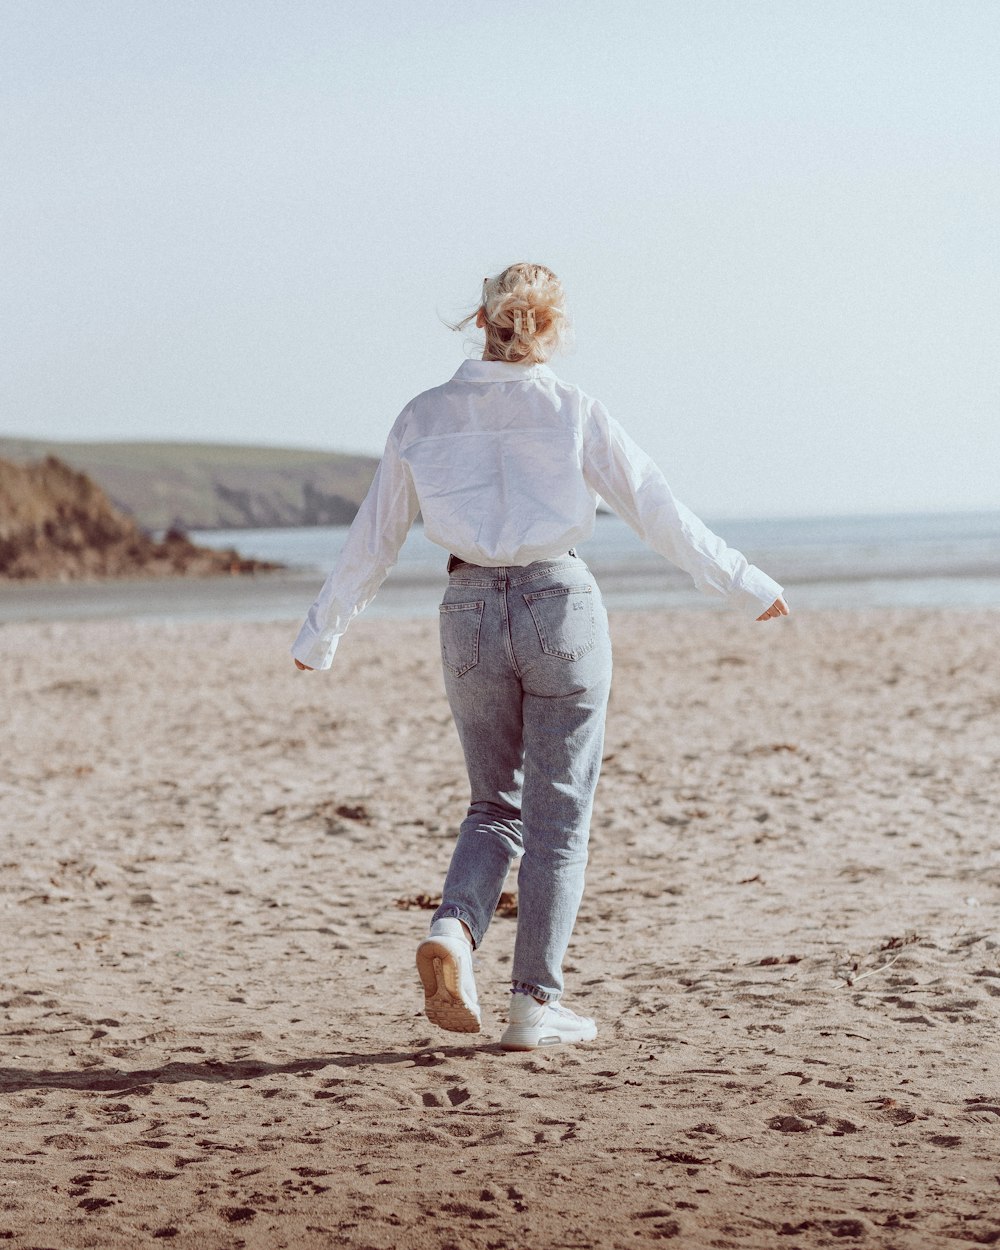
{"points": [[505, 463]]}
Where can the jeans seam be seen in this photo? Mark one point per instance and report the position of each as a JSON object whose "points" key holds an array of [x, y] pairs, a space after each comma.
{"points": [[508, 639]]}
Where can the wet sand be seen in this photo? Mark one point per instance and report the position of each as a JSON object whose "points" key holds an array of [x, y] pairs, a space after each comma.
{"points": [[212, 870]]}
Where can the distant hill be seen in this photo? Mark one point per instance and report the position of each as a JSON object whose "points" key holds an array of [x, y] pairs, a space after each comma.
{"points": [[55, 523], [214, 486]]}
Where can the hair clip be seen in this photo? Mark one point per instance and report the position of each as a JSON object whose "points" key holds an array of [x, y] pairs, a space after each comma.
{"points": [[528, 321]]}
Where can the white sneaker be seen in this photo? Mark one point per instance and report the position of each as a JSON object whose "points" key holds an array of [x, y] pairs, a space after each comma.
{"points": [[543, 1024], [450, 999]]}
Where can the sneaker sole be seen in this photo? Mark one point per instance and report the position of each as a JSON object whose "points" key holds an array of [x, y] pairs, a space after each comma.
{"points": [[517, 1038], [444, 1004]]}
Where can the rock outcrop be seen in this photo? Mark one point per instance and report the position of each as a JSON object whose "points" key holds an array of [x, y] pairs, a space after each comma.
{"points": [[56, 523]]}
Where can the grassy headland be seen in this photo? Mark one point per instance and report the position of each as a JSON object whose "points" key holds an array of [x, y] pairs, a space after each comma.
{"points": [[214, 485]]}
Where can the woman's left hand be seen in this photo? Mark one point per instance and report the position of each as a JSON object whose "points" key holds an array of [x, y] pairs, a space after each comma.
{"points": [[778, 608], [304, 667]]}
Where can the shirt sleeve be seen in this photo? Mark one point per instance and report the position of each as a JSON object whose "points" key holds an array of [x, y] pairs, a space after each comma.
{"points": [[627, 479], [370, 551]]}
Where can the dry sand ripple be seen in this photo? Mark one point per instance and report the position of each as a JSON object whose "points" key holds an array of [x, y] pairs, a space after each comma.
{"points": [[211, 1022]]}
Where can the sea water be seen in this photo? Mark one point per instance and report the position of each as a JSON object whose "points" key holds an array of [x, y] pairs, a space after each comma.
{"points": [[852, 561], [914, 560]]}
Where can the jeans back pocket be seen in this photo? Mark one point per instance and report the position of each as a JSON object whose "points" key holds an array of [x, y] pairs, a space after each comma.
{"points": [[564, 618], [460, 626]]}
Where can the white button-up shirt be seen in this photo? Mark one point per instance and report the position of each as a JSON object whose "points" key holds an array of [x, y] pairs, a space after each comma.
{"points": [[505, 463]]}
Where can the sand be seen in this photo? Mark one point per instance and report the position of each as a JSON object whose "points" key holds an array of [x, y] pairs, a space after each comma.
{"points": [[211, 1021]]}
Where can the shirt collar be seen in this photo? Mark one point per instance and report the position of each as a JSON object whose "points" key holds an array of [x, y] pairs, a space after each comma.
{"points": [[499, 371]]}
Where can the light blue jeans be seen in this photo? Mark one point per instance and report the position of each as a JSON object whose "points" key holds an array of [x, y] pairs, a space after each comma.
{"points": [[527, 668]]}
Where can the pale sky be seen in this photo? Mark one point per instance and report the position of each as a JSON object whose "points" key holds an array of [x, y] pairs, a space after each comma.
{"points": [[776, 221]]}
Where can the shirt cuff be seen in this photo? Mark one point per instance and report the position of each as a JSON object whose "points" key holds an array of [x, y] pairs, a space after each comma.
{"points": [[756, 593], [313, 650]]}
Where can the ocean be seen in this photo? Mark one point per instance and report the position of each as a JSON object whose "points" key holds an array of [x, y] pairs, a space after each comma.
{"points": [[912, 560]]}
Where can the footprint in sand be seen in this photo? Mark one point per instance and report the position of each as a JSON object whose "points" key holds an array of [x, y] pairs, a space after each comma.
{"points": [[238, 1215]]}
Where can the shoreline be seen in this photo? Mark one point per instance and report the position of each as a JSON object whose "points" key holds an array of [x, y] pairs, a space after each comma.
{"points": [[287, 594]]}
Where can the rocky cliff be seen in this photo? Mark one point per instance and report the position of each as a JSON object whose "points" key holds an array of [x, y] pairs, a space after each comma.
{"points": [[57, 523]]}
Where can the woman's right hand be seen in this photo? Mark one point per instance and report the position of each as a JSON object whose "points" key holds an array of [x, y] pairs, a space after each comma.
{"points": [[778, 608]]}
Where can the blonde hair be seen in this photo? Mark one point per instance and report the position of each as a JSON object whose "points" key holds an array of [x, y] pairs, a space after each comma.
{"points": [[525, 312]]}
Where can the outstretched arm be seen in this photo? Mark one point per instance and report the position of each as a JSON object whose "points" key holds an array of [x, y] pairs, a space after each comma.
{"points": [[371, 549], [623, 475]]}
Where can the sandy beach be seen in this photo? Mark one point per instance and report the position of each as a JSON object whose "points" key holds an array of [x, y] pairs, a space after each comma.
{"points": [[213, 871]]}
